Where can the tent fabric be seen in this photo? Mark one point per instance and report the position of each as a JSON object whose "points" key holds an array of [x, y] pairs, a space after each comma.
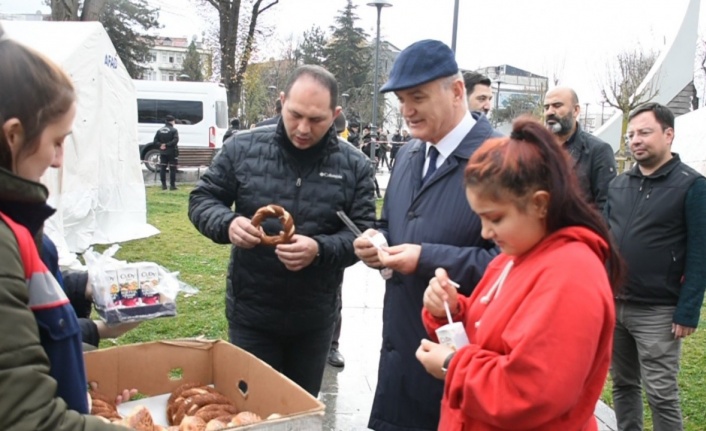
{"points": [[99, 193], [690, 139], [672, 71]]}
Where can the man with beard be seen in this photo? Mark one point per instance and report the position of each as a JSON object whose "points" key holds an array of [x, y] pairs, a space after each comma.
{"points": [[594, 161]]}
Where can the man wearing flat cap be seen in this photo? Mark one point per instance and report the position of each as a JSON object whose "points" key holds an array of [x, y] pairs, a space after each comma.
{"points": [[428, 224]]}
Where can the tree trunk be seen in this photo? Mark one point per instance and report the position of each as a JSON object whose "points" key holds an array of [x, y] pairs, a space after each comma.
{"points": [[229, 20], [64, 10], [229, 17], [623, 159], [92, 10]]}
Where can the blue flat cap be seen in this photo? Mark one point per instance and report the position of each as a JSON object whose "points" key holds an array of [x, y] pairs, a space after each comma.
{"points": [[419, 63]]}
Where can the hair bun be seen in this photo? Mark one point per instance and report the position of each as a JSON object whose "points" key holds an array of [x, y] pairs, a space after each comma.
{"points": [[518, 135]]}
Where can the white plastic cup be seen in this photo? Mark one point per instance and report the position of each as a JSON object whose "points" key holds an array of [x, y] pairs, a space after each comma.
{"points": [[378, 240], [453, 335]]}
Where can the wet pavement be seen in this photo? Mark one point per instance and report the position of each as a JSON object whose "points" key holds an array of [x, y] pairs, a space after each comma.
{"points": [[348, 392]]}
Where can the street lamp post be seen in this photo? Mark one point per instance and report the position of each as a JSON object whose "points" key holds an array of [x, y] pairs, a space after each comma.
{"points": [[455, 27], [273, 96], [379, 4], [585, 118], [497, 103]]}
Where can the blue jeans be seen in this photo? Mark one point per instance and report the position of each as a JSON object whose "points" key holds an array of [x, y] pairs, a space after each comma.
{"points": [[645, 352], [301, 357]]}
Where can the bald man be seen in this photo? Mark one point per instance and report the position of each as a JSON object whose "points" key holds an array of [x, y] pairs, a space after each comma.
{"points": [[594, 161]]}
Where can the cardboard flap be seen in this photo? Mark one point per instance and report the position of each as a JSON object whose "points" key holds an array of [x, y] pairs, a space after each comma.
{"points": [[151, 368], [255, 386], [192, 343]]}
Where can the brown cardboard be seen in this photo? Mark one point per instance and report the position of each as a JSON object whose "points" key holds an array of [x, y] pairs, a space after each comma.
{"points": [[148, 367]]}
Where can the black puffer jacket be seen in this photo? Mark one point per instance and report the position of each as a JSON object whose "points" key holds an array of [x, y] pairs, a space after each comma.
{"points": [[261, 167]]}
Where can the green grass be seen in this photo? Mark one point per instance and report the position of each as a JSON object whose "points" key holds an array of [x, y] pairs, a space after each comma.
{"points": [[203, 264], [200, 262]]}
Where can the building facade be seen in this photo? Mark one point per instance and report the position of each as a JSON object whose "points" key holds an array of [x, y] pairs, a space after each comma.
{"points": [[167, 59]]}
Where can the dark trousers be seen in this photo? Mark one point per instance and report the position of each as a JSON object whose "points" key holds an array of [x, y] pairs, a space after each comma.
{"points": [[165, 161], [337, 330], [300, 357], [338, 323], [383, 160]]}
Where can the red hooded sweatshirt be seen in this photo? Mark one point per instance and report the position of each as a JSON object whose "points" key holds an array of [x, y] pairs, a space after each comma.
{"points": [[541, 339]]}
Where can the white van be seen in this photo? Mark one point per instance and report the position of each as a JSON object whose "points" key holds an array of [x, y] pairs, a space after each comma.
{"points": [[200, 110]]}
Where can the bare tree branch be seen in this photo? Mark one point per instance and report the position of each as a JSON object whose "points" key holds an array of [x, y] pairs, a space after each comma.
{"points": [[268, 6], [235, 45], [621, 88]]}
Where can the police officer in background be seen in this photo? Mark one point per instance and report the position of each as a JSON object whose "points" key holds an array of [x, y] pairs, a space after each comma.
{"points": [[167, 138]]}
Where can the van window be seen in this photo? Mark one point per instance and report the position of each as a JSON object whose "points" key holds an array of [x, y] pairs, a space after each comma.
{"points": [[221, 114], [155, 111]]}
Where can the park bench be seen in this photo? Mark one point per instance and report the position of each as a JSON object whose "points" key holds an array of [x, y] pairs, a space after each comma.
{"points": [[189, 157]]}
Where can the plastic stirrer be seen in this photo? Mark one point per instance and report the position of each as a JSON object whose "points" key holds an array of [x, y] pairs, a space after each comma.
{"points": [[448, 312]]}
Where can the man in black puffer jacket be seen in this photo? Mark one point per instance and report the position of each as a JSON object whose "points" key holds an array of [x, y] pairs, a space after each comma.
{"points": [[281, 301]]}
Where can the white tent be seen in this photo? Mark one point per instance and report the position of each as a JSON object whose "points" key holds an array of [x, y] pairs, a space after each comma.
{"points": [[690, 139], [99, 193]]}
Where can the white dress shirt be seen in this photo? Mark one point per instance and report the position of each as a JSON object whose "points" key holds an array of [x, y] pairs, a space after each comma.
{"points": [[451, 141]]}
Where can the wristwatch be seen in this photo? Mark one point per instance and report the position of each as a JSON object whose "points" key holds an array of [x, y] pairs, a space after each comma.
{"points": [[447, 361]]}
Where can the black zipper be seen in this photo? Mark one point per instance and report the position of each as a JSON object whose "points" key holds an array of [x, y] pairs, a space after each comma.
{"points": [[632, 212]]}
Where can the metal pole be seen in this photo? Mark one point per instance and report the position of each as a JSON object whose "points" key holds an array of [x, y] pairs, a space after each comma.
{"points": [[585, 118], [374, 131], [497, 102], [455, 27]]}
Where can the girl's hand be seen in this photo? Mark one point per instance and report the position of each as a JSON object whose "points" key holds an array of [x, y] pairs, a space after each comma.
{"points": [[439, 290], [432, 357]]}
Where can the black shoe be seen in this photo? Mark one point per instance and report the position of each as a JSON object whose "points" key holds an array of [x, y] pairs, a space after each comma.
{"points": [[173, 188], [335, 358], [164, 187]]}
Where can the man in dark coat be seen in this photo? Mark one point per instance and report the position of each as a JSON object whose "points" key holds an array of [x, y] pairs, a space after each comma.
{"points": [[282, 301], [275, 119], [353, 134], [233, 129], [427, 223], [167, 137], [594, 161]]}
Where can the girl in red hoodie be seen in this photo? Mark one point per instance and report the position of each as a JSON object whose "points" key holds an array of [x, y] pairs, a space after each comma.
{"points": [[540, 322]]}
